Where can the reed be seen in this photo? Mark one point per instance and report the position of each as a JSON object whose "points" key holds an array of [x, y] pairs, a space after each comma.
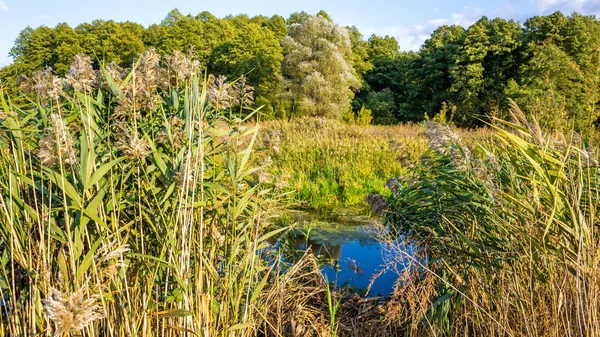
{"points": [[510, 231], [129, 210]]}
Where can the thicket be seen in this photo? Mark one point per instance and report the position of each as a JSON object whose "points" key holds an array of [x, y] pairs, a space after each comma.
{"points": [[548, 64]]}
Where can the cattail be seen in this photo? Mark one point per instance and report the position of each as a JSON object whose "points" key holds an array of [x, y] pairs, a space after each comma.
{"points": [[81, 77], [72, 312], [57, 146]]}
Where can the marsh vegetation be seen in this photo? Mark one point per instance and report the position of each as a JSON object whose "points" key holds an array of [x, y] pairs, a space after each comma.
{"points": [[158, 199]]}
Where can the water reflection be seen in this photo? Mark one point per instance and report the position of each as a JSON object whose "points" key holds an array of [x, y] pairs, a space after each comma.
{"points": [[350, 254]]}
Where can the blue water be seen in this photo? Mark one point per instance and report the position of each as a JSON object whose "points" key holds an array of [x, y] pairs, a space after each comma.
{"points": [[350, 254], [358, 262]]}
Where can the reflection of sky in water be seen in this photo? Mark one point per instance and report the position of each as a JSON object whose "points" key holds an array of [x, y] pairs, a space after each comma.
{"points": [[367, 256], [357, 255]]}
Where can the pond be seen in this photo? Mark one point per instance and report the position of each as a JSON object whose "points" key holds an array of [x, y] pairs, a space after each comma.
{"points": [[346, 244]]}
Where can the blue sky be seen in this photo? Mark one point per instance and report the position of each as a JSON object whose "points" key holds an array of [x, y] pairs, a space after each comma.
{"points": [[409, 21]]}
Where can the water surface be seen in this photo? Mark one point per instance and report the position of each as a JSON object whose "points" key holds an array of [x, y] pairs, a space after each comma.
{"points": [[347, 245]]}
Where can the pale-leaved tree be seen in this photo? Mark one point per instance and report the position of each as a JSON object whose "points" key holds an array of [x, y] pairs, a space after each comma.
{"points": [[318, 68]]}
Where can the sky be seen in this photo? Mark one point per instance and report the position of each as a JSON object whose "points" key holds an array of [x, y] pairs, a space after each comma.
{"points": [[409, 21]]}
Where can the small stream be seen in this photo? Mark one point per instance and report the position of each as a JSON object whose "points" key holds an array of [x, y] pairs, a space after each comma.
{"points": [[347, 245]]}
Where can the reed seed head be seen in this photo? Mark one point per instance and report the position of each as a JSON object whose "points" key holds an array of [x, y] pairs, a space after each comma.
{"points": [[445, 141], [43, 83], [81, 77], [72, 311], [220, 92], [134, 148], [57, 146]]}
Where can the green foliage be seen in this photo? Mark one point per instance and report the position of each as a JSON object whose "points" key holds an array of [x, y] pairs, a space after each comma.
{"points": [[321, 76], [438, 57], [256, 53], [485, 63], [444, 116], [383, 48], [364, 116], [553, 88], [476, 68], [383, 106], [361, 60], [297, 18], [328, 163], [109, 41]]}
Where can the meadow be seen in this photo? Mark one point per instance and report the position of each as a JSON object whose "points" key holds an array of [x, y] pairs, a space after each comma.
{"points": [[131, 206], [329, 163]]}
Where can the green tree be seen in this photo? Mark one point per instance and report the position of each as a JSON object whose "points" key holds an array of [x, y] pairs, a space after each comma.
{"points": [[318, 66], [109, 41], [383, 106], [486, 61], [383, 48], [256, 53], [297, 18], [324, 15], [360, 53], [540, 29], [32, 50], [276, 24], [438, 56], [65, 45], [552, 88]]}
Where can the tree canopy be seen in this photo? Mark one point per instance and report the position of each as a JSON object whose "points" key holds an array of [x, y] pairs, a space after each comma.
{"points": [[308, 65]]}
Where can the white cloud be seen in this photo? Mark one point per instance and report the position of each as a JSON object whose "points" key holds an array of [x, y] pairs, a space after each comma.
{"points": [[411, 37], [507, 10], [3, 7], [567, 6]]}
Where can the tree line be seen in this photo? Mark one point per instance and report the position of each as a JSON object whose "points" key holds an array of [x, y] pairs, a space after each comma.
{"points": [[308, 65]]}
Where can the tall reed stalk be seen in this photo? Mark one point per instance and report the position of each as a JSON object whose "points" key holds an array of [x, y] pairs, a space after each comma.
{"points": [[510, 230], [128, 211]]}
